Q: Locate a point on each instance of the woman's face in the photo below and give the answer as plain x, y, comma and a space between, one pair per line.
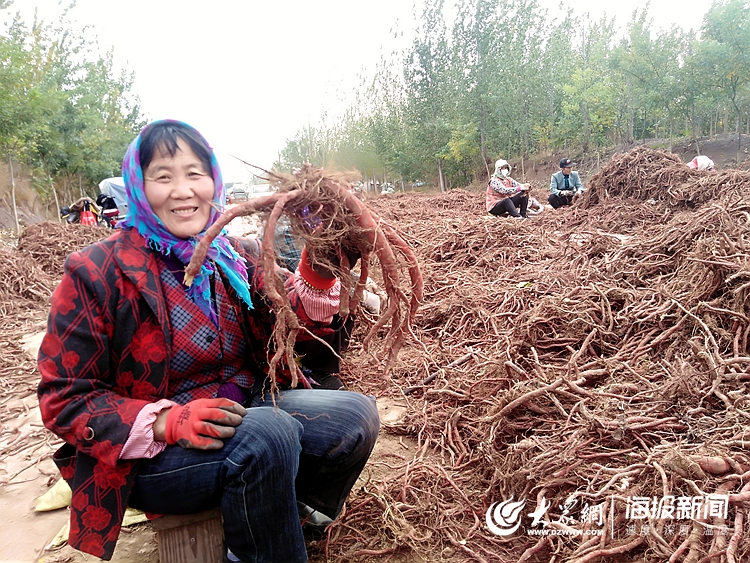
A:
179, 190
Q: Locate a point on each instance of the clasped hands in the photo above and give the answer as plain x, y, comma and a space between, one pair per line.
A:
201, 424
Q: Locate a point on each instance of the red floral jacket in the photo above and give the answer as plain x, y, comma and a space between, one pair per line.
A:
104, 357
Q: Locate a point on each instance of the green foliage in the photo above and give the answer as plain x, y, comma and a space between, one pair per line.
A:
63, 110
725, 50
502, 80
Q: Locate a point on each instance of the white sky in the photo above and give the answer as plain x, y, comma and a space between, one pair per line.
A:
249, 74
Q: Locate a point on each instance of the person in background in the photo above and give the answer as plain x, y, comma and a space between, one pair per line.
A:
564, 185
160, 390
702, 162
505, 196
318, 360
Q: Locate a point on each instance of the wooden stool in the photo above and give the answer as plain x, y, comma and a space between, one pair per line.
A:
190, 538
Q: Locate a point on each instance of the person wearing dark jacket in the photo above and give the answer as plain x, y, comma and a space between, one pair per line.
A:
564, 185
159, 390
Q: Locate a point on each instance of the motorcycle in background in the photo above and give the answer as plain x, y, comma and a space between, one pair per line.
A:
110, 212
84, 211
110, 206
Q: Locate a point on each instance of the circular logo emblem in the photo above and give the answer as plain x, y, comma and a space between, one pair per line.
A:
504, 518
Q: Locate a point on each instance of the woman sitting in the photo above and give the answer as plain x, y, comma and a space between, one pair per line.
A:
505, 196
160, 390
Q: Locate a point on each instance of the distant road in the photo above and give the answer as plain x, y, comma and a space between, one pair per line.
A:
259, 190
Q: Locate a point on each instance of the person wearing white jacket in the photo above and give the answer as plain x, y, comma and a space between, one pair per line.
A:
702, 162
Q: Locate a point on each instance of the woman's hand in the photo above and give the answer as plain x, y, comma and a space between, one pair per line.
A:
201, 424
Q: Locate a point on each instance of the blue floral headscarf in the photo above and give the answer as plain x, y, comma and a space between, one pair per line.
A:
141, 217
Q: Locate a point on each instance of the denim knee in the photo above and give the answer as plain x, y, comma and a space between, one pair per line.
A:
363, 419
370, 419
266, 433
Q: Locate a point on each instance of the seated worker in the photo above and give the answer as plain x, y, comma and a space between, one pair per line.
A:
564, 185
160, 391
505, 195
317, 361
702, 162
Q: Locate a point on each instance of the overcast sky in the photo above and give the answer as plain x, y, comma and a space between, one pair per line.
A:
250, 73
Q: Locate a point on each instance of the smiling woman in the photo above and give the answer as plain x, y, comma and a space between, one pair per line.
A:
159, 390
179, 189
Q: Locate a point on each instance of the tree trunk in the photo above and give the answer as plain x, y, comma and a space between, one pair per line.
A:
739, 128
57, 201
692, 124
586, 127
631, 114
483, 140
13, 194
441, 181
739, 138
726, 119
671, 132
631, 126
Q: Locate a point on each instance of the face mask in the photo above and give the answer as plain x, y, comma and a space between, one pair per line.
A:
505, 172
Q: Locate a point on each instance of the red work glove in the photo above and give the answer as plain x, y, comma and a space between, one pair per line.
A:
198, 423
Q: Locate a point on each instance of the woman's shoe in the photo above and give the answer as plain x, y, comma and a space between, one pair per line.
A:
314, 523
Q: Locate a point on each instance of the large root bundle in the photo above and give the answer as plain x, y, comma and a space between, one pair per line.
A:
23, 278
335, 225
644, 174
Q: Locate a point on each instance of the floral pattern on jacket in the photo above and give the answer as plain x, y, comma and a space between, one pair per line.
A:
105, 356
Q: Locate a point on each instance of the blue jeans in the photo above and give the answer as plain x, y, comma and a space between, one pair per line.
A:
311, 448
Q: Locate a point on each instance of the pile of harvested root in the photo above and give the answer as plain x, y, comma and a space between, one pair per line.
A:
583, 362
591, 363
28, 275
30, 272
48, 244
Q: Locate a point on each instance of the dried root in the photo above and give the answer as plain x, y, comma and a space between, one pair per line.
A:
335, 224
